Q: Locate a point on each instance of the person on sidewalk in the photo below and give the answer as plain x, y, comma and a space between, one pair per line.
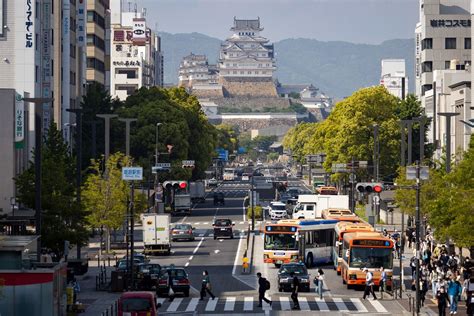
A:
442, 299
369, 284
319, 280
383, 279
295, 283
206, 285
263, 286
454, 291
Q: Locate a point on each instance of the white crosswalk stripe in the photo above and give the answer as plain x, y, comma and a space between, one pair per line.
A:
281, 303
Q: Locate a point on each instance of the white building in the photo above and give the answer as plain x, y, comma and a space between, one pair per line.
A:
246, 53
133, 54
442, 34
196, 70
393, 77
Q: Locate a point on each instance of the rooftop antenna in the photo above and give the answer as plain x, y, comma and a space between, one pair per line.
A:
144, 12
135, 9
129, 6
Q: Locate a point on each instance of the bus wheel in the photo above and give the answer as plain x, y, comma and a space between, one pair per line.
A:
349, 286
309, 260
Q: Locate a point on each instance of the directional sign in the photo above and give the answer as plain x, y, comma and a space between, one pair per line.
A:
188, 163
411, 173
339, 167
132, 173
164, 166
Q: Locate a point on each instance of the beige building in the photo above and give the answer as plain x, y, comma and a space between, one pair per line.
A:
96, 44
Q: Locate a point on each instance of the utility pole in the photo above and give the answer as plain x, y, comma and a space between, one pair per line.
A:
127, 121
410, 142
157, 183
376, 152
448, 116
417, 211
402, 233
352, 181
132, 231
107, 118
78, 113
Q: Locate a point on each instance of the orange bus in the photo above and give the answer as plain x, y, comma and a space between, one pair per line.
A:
327, 191
340, 214
340, 230
368, 250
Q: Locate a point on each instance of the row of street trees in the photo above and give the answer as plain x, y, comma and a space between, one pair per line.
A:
184, 134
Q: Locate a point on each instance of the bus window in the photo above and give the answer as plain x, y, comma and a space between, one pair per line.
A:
371, 257
280, 242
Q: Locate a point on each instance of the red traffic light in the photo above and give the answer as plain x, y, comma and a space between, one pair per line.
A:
183, 185
378, 189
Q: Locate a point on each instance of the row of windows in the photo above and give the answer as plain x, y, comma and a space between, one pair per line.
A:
427, 66
246, 72
449, 43
96, 64
247, 33
94, 40
251, 65
93, 16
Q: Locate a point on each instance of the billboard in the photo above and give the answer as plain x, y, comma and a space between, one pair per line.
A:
139, 31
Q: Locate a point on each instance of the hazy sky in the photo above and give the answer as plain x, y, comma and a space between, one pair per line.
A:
358, 21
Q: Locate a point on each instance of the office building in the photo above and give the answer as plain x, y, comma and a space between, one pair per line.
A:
96, 40
393, 77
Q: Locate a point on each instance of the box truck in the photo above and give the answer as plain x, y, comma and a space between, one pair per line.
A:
197, 191
156, 233
311, 205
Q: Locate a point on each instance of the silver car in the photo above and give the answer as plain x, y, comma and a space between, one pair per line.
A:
182, 231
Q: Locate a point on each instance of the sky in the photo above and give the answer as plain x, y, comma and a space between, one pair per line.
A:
357, 21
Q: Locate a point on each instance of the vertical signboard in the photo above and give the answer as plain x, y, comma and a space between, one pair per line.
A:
19, 120
81, 11
139, 31
65, 61
46, 60
1, 17
29, 25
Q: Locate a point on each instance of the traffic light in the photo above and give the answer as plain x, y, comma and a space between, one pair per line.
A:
178, 184
369, 187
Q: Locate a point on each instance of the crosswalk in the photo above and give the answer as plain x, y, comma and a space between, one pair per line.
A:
249, 304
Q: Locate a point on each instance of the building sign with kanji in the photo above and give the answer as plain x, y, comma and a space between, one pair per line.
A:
29, 28
131, 63
19, 118
450, 23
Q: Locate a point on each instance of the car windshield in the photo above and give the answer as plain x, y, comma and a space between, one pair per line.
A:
280, 242
182, 227
278, 207
297, 269
136, 304
150, 268
223, 222
371, 257
175, 273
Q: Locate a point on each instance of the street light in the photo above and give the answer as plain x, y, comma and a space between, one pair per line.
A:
38, 143
156, 164
448, 116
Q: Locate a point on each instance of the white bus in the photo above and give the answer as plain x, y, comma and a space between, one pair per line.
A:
229, 174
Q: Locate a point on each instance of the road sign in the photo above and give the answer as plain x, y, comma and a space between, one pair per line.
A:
164, 166
188, 163
132, 173
352, 178
339, 167
376, 199
411, 173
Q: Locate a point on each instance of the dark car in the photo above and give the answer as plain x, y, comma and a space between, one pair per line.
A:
285, 280
293, 192
219, 198
223, 228
122, 264
147, 275
175, 277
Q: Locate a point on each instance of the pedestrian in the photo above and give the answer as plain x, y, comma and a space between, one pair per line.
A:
295, 283
76, 288
454, 291
423, 290
319, 279
171, 292
206, 285
369, 284
442, 299
383, 279
263, 286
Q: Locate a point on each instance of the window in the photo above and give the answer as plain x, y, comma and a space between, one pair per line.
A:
427, 43
72, 78
131, 73
96, 64
427, 66
72, 51
93, 16
94, 40
426, 87
36, 74
450, 43
447, 64
467, 43
249, 72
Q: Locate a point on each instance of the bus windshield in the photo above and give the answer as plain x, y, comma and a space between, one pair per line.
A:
280, 242
371, 257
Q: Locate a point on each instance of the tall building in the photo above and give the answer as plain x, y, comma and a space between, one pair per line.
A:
41, 55
96, 36
135, 60
393, 77
246, 61
443, 34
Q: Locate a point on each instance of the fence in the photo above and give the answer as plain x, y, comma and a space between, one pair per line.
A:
102, 282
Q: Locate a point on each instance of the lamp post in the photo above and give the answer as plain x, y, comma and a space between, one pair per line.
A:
38, 144
156, 164
448, 116
107, 118
127, 121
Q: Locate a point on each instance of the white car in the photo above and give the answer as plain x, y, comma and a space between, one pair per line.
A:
212, 182
277, 211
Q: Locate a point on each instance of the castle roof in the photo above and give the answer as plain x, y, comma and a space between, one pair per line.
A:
246, 25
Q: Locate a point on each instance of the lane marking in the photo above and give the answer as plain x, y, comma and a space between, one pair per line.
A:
192, 305
378, 306
285, 303
190, 258
161, 300
236, 260
341, 306
206, 223
174, 305
358, 305
217, 251
211, 305
187, 264
229, 304
198, 223
323, 307
248, 303
241, 223
304, 304
198, 245
201, 235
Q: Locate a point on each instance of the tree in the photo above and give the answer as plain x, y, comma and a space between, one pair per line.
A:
227, 138
105, 194
62, 217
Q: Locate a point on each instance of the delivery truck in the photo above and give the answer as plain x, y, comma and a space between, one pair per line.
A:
310, 206
182, 203
156, 233
197, 190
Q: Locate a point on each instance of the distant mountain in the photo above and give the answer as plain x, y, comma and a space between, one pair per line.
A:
337, 68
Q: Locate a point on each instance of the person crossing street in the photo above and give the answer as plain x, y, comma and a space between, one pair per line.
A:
295, 283
206, 285
369, 284
263, 286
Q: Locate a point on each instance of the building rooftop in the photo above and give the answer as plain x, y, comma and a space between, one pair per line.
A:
246, 25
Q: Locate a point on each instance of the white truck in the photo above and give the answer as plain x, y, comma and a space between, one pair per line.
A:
311, 205
182, 203
156, 233
197, 191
